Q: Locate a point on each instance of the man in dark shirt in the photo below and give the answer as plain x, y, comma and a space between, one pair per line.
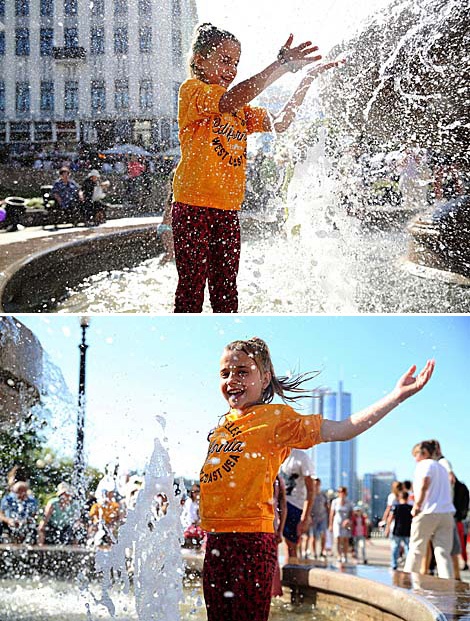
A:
66, 193
399, 521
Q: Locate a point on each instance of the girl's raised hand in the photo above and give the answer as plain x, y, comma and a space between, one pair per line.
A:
297, 57
409, 384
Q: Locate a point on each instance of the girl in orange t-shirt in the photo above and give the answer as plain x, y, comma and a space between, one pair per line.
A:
245, 452
209, 182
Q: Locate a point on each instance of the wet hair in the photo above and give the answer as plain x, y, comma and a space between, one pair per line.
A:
257, 349
206, 38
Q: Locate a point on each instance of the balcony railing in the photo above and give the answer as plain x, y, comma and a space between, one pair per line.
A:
69, 53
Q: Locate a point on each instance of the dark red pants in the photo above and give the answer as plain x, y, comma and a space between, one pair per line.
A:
207, 247
238, 574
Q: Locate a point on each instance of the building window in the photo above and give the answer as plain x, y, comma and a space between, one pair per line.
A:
23, 97
121, 95
21, 8
70, 7
98, 96
2, 97
97, 8
97, 41
47, 97
145, 8
145, 39
121, 45
2, 43
2, 8
22, 41
20, 132
46, 41
120, 7
43, 132
71, 37
71, 96
47, 7
146, 95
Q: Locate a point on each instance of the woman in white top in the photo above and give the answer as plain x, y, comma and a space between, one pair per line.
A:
432, 513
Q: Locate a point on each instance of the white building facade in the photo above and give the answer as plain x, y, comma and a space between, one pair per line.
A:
92, 71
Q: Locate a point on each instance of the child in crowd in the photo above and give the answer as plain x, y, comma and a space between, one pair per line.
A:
359, 526
399, 523
245, 452
209, 182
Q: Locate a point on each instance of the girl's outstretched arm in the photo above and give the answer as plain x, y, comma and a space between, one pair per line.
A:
285, 118
407, 385
289, 58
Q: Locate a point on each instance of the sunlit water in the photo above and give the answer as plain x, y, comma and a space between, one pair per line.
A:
47, 600
334, 265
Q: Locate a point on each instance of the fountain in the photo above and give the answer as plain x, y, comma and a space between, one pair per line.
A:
20, 371
414, 96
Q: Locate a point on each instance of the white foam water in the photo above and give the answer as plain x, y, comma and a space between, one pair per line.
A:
148, 548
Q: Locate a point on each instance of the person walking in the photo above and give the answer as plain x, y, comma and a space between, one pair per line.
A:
432, 512
319, 525
341, 522
399, 526
298, 472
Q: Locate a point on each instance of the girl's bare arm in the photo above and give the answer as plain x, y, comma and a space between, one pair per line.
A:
241, 94
407, 385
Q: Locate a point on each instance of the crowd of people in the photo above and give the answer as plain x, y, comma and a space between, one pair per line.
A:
426, 519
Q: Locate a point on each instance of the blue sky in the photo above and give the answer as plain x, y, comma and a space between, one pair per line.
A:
141, 367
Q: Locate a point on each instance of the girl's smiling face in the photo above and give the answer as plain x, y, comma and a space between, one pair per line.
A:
241, 382
220, 65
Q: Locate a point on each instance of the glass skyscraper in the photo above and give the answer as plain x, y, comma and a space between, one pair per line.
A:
335, 462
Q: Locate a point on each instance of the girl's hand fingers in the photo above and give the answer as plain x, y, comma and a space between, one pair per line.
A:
288, 43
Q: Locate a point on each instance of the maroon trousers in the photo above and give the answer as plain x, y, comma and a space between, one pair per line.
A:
207, 247
238, 574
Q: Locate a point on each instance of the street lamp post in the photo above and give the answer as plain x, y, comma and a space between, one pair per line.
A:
79, 465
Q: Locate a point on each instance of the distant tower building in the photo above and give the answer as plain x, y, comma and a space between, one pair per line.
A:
92, 71
335, 462
375, 489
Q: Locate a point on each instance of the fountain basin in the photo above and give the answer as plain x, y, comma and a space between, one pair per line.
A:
440, 240
20, 371
357, 598
46, 560
39, 272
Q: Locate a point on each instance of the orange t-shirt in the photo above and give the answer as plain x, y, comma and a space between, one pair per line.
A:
211, 172
108, 511
244, 457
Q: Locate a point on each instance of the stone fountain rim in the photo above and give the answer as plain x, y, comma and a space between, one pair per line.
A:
393, 600
322, 584
14, 275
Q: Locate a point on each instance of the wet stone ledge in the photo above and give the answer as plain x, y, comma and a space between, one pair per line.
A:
17, 561
36, 274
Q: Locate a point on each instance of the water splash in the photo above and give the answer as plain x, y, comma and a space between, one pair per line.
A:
148, 550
